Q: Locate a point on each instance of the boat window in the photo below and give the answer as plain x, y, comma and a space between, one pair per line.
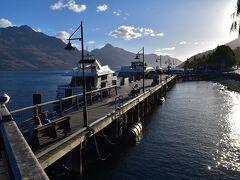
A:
103, 77
78, 81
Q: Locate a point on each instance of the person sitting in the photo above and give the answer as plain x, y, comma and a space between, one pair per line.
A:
136, 89
44, 119
36, 122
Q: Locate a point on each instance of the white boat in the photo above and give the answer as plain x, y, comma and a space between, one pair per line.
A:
135, 70
96, 76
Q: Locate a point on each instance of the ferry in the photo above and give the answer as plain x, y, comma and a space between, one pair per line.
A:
135, 70
96, 76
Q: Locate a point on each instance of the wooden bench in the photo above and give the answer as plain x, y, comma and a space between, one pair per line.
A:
50, 130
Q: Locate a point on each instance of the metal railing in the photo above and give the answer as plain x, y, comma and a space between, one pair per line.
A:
57, 108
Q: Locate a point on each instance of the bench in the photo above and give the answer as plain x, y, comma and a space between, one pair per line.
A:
50, 130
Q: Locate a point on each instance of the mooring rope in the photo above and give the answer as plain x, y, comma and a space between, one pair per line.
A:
107, 139
96, 145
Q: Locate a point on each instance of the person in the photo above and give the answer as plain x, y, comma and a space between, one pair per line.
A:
136, 89
44, 119
36, 122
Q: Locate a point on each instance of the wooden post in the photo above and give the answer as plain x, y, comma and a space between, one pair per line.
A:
60, 108
116, 90
143, 109
37, 99
77, 103
91, 98
101, 98
76, 160
109, 92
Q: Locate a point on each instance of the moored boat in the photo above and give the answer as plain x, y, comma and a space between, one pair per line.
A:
96, 76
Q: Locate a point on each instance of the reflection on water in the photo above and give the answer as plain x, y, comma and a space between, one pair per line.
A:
227, 154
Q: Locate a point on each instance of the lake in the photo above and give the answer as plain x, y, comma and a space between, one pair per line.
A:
195, 134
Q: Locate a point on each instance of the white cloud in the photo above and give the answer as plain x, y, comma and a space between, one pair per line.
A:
159, 34
183, 43
91, 42
196, 43
102, 8
162, 53
5, 23
130, 32
70, 4
58, 5
166, 49
125, 32
117, 12
63, 35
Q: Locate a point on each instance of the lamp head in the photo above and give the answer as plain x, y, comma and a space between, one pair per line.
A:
137, 56
69, 46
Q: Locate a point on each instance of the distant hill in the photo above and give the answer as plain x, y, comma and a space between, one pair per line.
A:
116, 57
234, 45
23, 48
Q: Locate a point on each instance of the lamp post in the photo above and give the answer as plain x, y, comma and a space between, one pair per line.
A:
141, 52
160, 65
70, 47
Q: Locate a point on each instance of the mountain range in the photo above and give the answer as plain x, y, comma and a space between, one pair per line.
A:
22, 48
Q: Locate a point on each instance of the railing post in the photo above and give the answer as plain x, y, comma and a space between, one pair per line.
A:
109, 92
91, 98
77, 103
37, 99
60, 107
37, 110
116, 90
101, 95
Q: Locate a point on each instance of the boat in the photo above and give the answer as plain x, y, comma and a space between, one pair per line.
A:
96, 76
135, 70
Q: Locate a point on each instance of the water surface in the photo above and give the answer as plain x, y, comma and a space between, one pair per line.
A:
195, 134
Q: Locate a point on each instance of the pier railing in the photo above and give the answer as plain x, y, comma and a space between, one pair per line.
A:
57, 108
21, 162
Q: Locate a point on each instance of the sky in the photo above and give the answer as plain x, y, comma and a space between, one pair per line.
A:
179, 28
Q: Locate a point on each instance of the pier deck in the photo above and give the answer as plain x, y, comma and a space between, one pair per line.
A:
100, 109
96, 111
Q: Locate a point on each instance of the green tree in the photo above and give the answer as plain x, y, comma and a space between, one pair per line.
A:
221, 59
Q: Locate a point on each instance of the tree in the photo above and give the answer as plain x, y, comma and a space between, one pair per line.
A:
222, 58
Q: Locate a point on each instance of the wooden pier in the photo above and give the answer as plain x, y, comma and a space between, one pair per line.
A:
117, 113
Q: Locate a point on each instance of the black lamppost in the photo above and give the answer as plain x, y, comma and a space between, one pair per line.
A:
70, 47
141, 52
160, 65
160, 61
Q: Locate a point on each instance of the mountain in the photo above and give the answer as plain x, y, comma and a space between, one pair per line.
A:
116, 57
234, 45
23, 48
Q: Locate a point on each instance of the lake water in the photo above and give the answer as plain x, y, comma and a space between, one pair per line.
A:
195, 134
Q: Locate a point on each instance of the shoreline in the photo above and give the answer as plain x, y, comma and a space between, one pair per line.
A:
230, 84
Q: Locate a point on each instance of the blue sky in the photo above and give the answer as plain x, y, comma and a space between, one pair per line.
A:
180, 28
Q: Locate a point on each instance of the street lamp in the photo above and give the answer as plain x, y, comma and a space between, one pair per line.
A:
160, 61
141, 53
70, 47
160, 65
